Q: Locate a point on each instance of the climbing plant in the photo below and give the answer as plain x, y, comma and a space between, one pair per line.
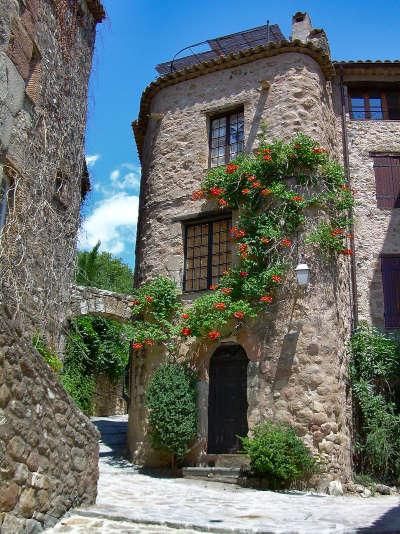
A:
284, 190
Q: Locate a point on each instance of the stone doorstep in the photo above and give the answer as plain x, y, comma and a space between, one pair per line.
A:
228, 475
226, 460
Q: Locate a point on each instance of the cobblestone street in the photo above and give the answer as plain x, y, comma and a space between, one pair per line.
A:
132, 502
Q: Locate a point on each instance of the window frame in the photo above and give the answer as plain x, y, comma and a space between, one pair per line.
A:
368, 92
209, 220
390, 321
384, 198
226, 113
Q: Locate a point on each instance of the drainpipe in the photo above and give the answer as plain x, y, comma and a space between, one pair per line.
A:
354, 319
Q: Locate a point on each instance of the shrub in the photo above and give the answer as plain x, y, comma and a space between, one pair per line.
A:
278, 454
171, 401
49, 355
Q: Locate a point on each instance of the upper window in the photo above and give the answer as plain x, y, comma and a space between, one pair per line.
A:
387, 180
390, 266
226, 137
207, 253
374, 103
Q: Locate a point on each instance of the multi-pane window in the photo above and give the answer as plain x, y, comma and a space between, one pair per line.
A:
374, 103
207, 253
226, 137
390, 266
387, 180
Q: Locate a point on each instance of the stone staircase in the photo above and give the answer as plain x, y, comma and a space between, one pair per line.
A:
219, 468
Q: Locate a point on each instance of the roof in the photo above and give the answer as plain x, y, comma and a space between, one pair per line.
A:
365, 66
223, 46
96, 9
223, 62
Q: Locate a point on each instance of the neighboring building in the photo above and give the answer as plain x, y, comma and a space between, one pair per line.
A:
292, 367
48, 449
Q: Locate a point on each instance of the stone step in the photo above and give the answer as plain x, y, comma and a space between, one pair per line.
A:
228, 475
227, 460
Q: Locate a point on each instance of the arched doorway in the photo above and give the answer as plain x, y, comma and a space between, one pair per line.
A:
227, 400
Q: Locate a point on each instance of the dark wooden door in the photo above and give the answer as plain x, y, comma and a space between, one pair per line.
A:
227, 401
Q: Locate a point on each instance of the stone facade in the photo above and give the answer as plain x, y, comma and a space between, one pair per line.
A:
297, 369
48, 449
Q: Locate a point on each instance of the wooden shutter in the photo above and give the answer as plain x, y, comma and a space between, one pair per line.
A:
387, 181
390, 266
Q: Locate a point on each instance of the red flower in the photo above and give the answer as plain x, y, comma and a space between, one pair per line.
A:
137, 346
256, 185
148, 298
149, 342
213, 287
265, 240
346, 252
226, 290
220, 306
349, 236
319, 150
216, 191
286, 242
198, 194
243, 248
276, 278
238, 314
185, 316
222, 202
266, 298
337, 231
252, 178
265, 192
236, 233
231, 168
243, 274
134, 302
186, 331
297, 198
245, 191
214, 335
267, 157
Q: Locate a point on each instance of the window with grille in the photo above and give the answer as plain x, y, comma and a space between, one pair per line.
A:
374, 103
387, 180
390, 266
207, 253
226, 137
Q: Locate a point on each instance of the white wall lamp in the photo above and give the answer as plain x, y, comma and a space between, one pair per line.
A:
302, 273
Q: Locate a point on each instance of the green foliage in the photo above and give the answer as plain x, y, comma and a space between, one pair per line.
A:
374, 367
103, 271
277, 453
328, 238
171, 401
49, 355
80, 386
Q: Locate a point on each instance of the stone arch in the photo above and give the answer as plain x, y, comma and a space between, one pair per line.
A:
94, 301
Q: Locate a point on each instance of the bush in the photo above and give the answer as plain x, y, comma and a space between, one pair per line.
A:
278, 454
49, 355
171, 401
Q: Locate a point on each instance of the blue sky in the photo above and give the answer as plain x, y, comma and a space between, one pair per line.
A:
138, 34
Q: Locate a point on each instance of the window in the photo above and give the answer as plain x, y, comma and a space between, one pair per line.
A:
387, 180
390, 266
375, 103
226, 137
207, 253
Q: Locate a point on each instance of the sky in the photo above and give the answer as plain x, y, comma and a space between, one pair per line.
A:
138, 34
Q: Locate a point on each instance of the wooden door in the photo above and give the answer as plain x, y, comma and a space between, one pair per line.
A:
227, 401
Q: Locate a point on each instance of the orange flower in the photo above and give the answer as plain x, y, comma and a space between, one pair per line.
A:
276, 278
198, 194
337, 231
134, 302
256, 185
243, 248
267, 157
319, 150
186, 331
216, 191
231, 168
226, 290
185, 316
252, 178
265, 240
222, 202
244, 274
137, 346
345, 187
245, 191
266, 298
297, 198
286, 242
148, 298
238, 314
346, 252
213, 287
265, 192
349, 236
236, 232
149, 342
214, 335
220, 306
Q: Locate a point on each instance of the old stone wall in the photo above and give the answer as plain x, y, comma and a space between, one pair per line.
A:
109, 397
297, 369
48, 448
91, 300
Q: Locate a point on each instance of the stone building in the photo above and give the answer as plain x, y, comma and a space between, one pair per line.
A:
48, 449
293, 366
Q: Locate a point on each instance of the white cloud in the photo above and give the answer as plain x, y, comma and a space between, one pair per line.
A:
113, 222
122, 180
115, 175
91, 160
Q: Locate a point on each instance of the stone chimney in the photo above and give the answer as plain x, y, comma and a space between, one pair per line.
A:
303, 31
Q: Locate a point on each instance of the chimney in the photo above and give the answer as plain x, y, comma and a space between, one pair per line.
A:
301, 26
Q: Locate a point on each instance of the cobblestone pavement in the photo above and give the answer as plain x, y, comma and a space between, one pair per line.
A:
132, 502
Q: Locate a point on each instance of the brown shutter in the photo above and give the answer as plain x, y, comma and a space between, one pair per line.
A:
390, 266
387, 181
